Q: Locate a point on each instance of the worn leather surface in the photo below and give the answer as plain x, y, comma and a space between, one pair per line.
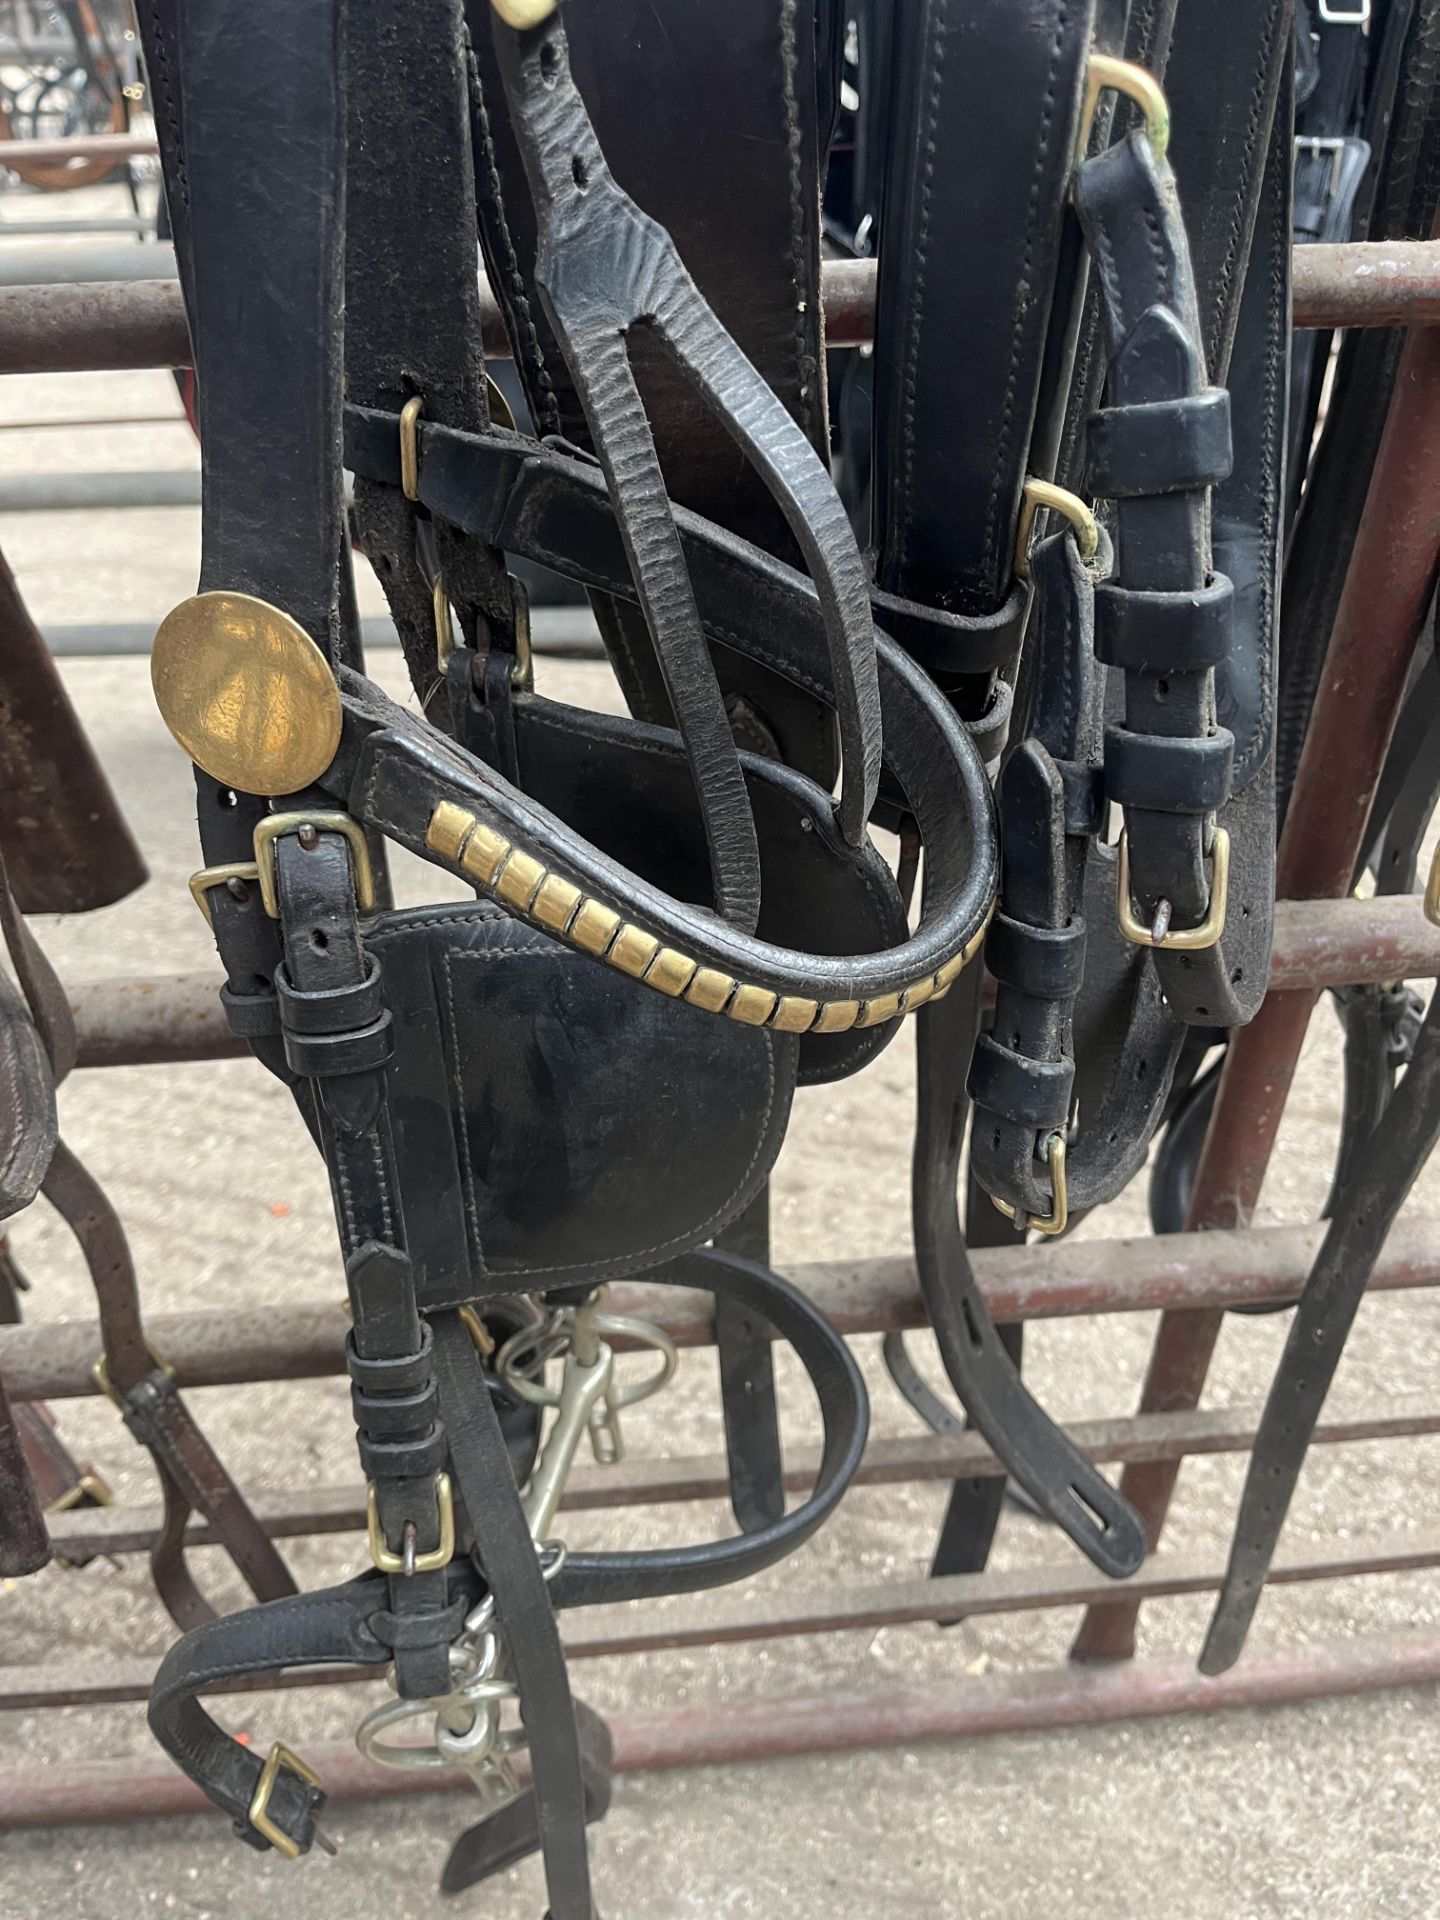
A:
980, 127
602, 268
28, 1125
554, 1120
731, 119
24, 1541
816, 892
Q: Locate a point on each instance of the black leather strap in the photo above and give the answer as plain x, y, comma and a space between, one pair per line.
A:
1042, 1459
980, 120
1365, 1210
602, 268
736, 121
747, 1382
1023, 1074
592, 1579
1161, 545
331, 1627
507, 1557
410, 222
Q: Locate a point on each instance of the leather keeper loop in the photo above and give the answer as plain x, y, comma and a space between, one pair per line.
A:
383, 1418
320, 1056
1048, 962
1159, 446
952, 643
397, 1375
432, 1627
1163, 632
253, 1016
1030, 1093
337, 1009
1160, 773
1084, 790
418, 1459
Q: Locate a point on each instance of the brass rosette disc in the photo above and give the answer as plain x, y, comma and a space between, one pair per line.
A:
246, 692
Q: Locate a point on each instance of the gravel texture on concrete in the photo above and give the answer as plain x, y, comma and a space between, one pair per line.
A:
1322, 1809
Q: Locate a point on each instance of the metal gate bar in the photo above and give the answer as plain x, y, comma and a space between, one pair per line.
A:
1191, 1270
88, 325
91, 1791
170, 1018
84, 1531
610, 1633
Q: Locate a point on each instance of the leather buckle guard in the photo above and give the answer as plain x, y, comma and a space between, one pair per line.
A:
259, 1816
1179, 939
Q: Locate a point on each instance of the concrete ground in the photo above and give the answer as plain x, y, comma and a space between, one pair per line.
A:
1323, 1809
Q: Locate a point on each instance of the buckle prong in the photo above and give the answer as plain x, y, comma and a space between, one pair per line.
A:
409, 1561
275, 824
1177, 939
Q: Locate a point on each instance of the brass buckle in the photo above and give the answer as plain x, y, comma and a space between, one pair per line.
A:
444, 632
481, 1337
88, 1487
208, 877
1432, 891
430, 1562
1059, 1217
1044, 493
1105, 74
410, 448
100, 1374
275, 824
1178, 939
259, 1817
522, 674
522, 677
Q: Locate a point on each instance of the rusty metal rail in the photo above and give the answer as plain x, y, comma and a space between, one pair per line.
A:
171, 1018
1179, 1272
88, 1531
732, 1620
109, 1790
141, 323
89, 146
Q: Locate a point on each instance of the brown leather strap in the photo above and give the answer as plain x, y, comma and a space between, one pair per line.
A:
192, 1475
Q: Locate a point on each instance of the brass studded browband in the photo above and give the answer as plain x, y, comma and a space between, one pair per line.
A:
558, 906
